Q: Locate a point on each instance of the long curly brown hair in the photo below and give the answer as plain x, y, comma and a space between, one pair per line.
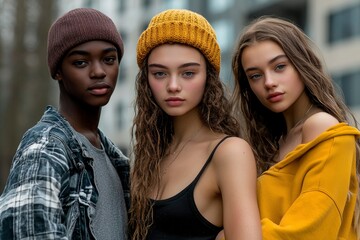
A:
263, 134
152, 133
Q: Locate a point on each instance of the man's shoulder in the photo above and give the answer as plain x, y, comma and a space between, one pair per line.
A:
46, 140
44, 133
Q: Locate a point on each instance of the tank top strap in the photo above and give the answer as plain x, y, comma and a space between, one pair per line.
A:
208, 160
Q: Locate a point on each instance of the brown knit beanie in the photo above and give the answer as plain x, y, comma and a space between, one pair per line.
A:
76, 27
180, 26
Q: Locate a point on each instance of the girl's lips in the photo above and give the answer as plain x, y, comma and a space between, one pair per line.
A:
276, 97
174, 102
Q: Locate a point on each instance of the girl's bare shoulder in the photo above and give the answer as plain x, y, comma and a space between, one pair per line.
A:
233, 147
317, 124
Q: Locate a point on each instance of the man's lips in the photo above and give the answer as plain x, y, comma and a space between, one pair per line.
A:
100, 89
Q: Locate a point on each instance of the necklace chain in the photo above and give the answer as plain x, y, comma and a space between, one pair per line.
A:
182, 148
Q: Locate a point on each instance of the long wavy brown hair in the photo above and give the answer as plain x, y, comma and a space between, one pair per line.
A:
263, 134
152, 133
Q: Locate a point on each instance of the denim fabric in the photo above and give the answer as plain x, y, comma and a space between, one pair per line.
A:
50, 192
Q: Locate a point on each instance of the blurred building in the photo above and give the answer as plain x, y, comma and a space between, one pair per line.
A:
332, 24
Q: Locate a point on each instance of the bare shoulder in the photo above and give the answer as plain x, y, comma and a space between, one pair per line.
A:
234, 161
233, 148
234, 144
317, 124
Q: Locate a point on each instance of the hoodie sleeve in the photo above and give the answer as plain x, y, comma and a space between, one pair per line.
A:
313, 196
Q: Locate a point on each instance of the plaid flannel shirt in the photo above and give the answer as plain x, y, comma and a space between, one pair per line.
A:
50, 192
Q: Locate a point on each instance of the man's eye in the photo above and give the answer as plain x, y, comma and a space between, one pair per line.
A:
80, 63
110, 60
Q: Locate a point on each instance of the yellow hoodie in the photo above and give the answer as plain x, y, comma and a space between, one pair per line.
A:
311, 193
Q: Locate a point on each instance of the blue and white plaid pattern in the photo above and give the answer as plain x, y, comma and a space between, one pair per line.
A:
50, 192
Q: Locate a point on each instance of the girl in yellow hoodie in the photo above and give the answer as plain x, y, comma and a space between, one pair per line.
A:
300, 133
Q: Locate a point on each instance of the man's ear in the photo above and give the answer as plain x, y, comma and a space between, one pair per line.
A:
58, 76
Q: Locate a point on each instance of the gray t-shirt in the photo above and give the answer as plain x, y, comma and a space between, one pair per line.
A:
110, 221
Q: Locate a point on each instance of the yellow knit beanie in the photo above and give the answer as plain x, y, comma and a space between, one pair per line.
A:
180, 26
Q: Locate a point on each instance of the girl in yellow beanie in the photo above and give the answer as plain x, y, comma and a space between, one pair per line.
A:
192, 175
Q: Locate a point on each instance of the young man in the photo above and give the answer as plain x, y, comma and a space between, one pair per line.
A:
68, 181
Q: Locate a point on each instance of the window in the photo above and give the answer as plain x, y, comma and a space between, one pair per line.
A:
119, 115
344, 24
123, 69
122, 6
122, 73
225, 33
217, 6
146, 3
175, 4
350, 85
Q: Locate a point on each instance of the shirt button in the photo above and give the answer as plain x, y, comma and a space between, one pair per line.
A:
80, 165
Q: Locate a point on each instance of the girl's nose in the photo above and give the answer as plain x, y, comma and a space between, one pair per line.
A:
173, 84
270, 81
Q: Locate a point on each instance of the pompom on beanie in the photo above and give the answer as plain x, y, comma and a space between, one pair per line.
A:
76, 27
180, 26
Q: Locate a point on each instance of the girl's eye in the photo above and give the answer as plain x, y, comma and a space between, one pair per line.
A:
254, 76
280, 67
159, 74
188, 74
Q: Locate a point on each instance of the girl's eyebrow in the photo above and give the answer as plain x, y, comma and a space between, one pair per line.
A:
156, 65
277, 57
181, 66
271, 61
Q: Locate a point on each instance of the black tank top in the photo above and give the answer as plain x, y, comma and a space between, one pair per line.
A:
177, 218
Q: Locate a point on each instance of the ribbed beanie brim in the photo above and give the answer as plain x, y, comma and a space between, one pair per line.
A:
180, 26
76, 27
